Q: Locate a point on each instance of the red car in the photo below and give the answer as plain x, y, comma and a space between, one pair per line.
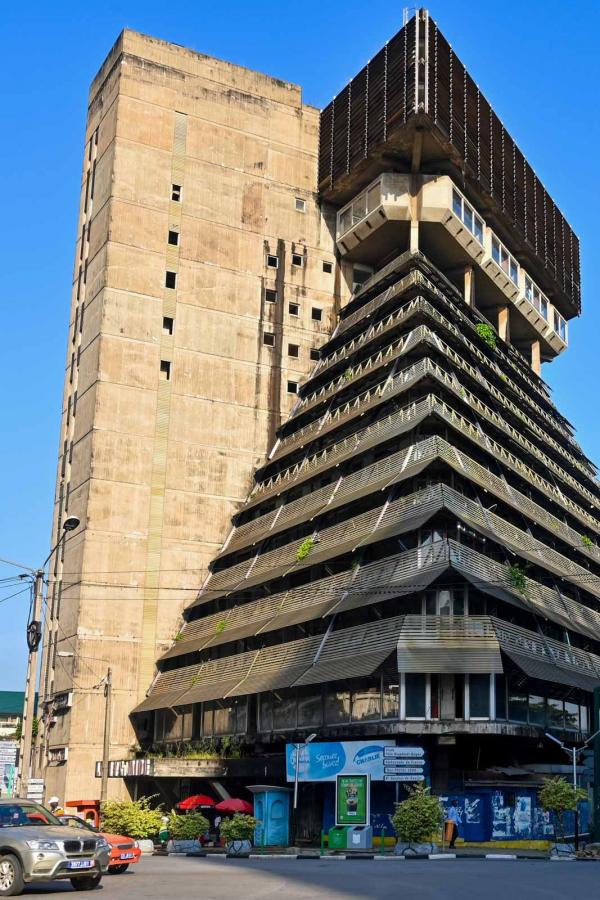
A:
124, 851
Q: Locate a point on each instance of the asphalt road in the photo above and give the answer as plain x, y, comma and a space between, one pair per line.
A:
214, 878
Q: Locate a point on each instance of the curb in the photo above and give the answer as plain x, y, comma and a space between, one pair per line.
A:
433, 857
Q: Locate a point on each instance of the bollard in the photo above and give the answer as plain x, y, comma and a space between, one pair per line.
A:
382, 848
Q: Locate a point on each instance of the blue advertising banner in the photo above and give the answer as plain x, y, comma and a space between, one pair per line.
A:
324, 761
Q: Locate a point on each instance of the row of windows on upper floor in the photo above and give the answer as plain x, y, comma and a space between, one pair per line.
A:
371, 198
177, 197
475, 224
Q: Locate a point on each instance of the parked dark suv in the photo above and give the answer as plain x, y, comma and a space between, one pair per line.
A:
36, 847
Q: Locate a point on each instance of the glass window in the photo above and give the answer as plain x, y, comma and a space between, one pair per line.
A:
478, 230
374, 197
537, 710
359, 208
284, 712
415, 695
514, 271
366, 703
187, 720
517, 707
556, 717
172, 726
345, 220
500, 697
241, 716
266, 712
390, 706
583, 718
444, 602
224, 719
571, 716
458, 603
496, 250
207, 719
310, 709
459, 696
337, 707
457, 204
468, 217
479, 696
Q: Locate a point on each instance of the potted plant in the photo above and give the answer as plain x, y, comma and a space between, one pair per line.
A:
185, 832
238, 833
416, 820
558, 797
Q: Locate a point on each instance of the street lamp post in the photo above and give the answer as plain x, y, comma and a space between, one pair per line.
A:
297, 747
34, 634
573, 752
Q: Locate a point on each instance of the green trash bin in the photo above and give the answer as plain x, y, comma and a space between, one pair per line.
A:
338, 838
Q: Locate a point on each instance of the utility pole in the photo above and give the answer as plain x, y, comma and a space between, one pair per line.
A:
106, 746
34, 633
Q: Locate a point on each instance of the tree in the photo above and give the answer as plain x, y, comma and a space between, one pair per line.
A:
418, 817
186, 828
559, 796
134, 818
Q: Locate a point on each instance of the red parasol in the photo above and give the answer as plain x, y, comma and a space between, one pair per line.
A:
196, 801
234, 806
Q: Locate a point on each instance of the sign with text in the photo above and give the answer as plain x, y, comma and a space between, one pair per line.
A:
352, 797
325, 761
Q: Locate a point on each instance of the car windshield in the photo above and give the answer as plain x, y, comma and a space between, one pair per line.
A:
20, 814
77, 822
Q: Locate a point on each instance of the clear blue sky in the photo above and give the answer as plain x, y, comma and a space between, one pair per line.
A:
536, 62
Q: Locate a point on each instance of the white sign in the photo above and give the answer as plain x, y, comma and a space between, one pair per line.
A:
420, 777
391, 763
403, 751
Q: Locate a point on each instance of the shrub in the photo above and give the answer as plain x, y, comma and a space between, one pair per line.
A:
517, 578
134, 818
348, 375
220, 626
418, 817
239, 828
188, 827
304, 549
178, 636
487, 334
587, 541
559, 796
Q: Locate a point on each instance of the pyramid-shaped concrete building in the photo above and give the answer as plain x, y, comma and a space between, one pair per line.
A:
418, 559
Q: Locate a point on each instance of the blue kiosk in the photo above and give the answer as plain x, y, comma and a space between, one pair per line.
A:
272, 809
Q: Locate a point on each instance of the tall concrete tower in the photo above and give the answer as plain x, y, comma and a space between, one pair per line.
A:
204, 285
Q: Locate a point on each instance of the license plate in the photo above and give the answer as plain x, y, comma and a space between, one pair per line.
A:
127, 855
80, 864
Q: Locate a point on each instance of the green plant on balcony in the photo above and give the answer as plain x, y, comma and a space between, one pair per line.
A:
517, 577
587, 541
195, 679
304, 549
348, 375
220, 626
178, 636
487, 334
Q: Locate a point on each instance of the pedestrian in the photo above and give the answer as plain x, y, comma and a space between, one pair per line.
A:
55, 807
452, 819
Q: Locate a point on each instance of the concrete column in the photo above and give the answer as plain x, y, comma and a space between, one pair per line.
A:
504, 323
536, 357
469, 287
414, 235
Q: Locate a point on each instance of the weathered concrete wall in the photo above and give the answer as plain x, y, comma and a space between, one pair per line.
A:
155, 467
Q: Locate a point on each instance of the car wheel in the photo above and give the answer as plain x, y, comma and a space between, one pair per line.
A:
11, 876
118, 870
88, 883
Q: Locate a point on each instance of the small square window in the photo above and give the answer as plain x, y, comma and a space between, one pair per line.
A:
316, 314
272, 261
165, 370
168, 323
270, 295
176, 192
174, 238
297, 260
292, 387
294, 309
170, 279
269, 339
300, 204
315, 354
328, 268
294, 350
